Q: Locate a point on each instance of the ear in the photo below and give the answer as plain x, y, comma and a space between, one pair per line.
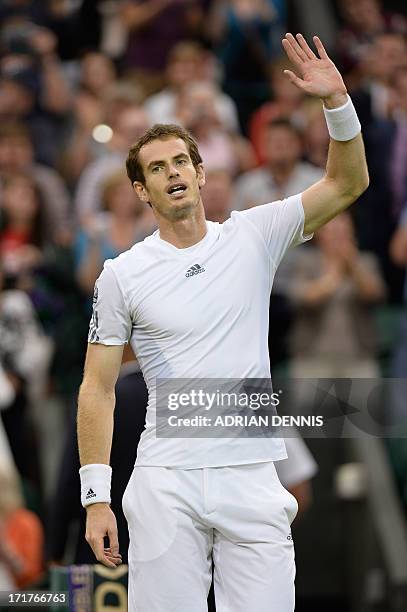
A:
141, 191
200, 173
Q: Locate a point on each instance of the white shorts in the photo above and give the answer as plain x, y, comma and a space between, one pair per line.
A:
179, 519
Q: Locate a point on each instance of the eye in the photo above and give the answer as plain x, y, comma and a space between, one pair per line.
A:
156, 169
181, 161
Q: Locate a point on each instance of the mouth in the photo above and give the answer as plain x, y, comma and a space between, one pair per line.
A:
177, 190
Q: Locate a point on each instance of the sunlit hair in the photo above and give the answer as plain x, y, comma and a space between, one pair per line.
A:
160, 131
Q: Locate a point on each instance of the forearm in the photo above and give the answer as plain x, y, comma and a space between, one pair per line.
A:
136, 16
347, 169
95, 424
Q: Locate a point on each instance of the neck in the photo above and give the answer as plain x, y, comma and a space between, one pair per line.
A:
183, 233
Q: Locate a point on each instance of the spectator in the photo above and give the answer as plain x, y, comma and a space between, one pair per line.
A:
186, 65
363, 22
398, 250
333, 288
23, 232
17, 157
398, 166
217, 195
283, 173
21, 541
374, 103
97, 74
242, 31
32, 86
92, 127
24, 359
154, 27
129, 124
385, 56
219, 148
286, 103
106, 235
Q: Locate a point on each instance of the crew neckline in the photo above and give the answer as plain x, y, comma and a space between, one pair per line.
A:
193, 247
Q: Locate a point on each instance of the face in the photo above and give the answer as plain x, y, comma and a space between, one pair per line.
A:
182, 69
217, 195
130, 125
387, 55
97, 71
172, 183
360, 13
16, 153
123, 201
282, 146
284, 90
19, 200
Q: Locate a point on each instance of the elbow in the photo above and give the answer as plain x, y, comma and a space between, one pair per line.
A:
352, 192
362, 184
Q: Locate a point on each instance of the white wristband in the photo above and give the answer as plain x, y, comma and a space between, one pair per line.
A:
95, 483
343, 123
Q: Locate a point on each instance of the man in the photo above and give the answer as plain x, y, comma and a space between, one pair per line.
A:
190, 499
17, 156
283, 172
129, 124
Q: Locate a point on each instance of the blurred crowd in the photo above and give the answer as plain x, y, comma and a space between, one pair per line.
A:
80, 81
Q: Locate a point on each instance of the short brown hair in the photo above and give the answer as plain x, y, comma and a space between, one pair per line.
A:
159, 131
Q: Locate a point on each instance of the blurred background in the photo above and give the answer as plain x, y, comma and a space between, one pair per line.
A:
80, 81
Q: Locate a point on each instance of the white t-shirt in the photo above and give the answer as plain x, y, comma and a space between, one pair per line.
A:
211, 324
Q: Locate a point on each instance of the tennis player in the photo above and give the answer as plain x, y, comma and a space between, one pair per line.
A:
192, 299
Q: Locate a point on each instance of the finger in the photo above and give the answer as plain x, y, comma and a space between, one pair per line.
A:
295, 80
305, 47
113, 540
296, 47
108, 553
320, 48
291, 54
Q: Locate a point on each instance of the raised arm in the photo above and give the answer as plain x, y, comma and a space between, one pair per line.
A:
95, 430
346, 175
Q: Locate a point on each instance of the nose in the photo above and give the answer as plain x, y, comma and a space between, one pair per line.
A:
172, 171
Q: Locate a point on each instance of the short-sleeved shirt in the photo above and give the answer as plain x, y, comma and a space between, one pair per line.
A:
199, 312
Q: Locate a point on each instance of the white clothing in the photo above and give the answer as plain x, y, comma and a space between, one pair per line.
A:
177, 518
88, 195
299, 466
162, 108
258, 186
207, 325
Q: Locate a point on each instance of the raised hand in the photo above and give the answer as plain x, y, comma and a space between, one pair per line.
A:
318, 76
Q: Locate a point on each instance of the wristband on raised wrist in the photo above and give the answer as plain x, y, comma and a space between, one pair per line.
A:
95, 483
343, 123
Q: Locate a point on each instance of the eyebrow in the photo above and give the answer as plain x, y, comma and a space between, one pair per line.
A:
157, 162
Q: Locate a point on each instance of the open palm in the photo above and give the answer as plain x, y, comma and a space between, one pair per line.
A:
318, 76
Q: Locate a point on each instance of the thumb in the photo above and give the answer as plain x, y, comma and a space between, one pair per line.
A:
294, 79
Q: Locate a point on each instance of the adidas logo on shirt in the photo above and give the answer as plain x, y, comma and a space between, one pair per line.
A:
196, 269
90, 494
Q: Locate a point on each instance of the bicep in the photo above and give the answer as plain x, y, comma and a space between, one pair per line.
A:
102, 365
322, 202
